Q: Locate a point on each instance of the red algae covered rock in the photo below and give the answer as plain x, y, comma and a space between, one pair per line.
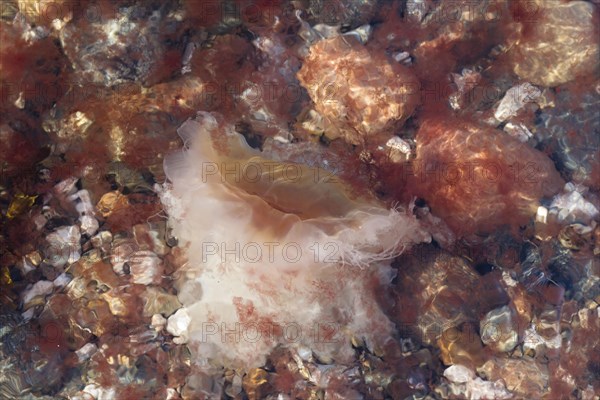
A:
559, 41
19, 151
31, 67
211, 65
435, 294
362, 95
477, 178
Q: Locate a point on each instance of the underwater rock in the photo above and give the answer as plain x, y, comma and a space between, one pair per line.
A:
559, 42
362, 94
477, 178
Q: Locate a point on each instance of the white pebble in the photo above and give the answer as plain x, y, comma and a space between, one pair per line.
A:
41, 288
177, 324
86, 352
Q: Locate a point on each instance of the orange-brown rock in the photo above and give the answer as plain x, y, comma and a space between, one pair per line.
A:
461, 345
361, 94
477, 178
435, 295
559, 41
